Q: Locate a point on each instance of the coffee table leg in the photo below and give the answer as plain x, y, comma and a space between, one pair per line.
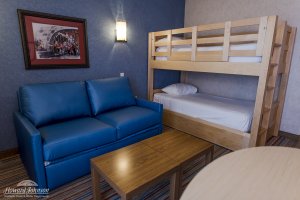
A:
96, 184
209, 155
175, 185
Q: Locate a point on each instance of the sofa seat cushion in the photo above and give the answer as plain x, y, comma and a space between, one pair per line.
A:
70, 137
130, 120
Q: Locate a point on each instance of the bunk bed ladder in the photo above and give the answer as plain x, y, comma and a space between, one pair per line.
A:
291, 34
266, 86
269, 105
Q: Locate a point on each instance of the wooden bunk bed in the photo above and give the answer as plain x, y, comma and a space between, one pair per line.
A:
274, 40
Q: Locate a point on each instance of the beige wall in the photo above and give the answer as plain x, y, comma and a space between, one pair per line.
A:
209, 11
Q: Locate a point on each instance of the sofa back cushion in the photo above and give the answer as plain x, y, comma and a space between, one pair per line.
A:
108, 94
51, 102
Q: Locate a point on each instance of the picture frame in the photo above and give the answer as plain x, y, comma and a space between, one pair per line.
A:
53, 41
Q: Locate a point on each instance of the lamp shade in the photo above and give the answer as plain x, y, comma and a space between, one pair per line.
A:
121, 35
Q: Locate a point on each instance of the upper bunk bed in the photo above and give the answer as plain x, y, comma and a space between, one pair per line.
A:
260, 47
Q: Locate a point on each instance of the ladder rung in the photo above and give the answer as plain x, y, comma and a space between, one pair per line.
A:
270, 72
271, 75
275, 104
269, 108
277, 45
266, 109
273, 64
262, 131
272, 124
270, 87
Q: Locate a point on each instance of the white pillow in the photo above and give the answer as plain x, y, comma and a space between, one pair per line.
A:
180, 89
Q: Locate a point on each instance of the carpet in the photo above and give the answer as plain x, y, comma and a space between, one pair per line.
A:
12, 172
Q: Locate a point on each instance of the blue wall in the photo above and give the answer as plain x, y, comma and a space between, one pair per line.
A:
107, 58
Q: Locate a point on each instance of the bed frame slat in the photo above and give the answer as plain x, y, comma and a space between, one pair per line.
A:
182, 30
185, 56
211, 40
243, 38
161, 33
244, 53
209, 27
246, 22
181, 42
261, 35
207, 56
161, 54
160, 44
226, 41
194, 43
169, 41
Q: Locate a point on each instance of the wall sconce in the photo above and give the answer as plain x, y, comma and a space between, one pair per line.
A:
121, 35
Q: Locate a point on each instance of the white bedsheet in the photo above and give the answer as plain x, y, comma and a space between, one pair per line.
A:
232, 113
186, 48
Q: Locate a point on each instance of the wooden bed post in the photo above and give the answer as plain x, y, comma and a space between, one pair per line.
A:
285, 76
262, 81
183, 76
150, 69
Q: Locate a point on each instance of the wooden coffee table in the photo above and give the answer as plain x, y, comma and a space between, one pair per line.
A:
182, 148
132, 169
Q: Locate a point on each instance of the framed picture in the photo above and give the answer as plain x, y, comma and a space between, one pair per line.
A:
53, 41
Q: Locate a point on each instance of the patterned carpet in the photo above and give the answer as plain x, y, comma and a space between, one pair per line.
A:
12, 172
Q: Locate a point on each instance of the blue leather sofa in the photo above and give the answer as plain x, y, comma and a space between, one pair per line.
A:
61, 126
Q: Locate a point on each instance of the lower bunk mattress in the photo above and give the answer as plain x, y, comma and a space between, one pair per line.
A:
232, 113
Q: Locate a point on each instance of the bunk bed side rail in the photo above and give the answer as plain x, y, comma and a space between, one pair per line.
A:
215, 133
249, 69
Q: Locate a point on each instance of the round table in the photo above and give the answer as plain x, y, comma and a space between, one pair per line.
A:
259, 173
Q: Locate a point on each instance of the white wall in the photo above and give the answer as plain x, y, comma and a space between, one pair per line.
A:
210, 11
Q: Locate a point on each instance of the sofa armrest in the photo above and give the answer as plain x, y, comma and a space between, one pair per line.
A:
149, 104
31, 150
